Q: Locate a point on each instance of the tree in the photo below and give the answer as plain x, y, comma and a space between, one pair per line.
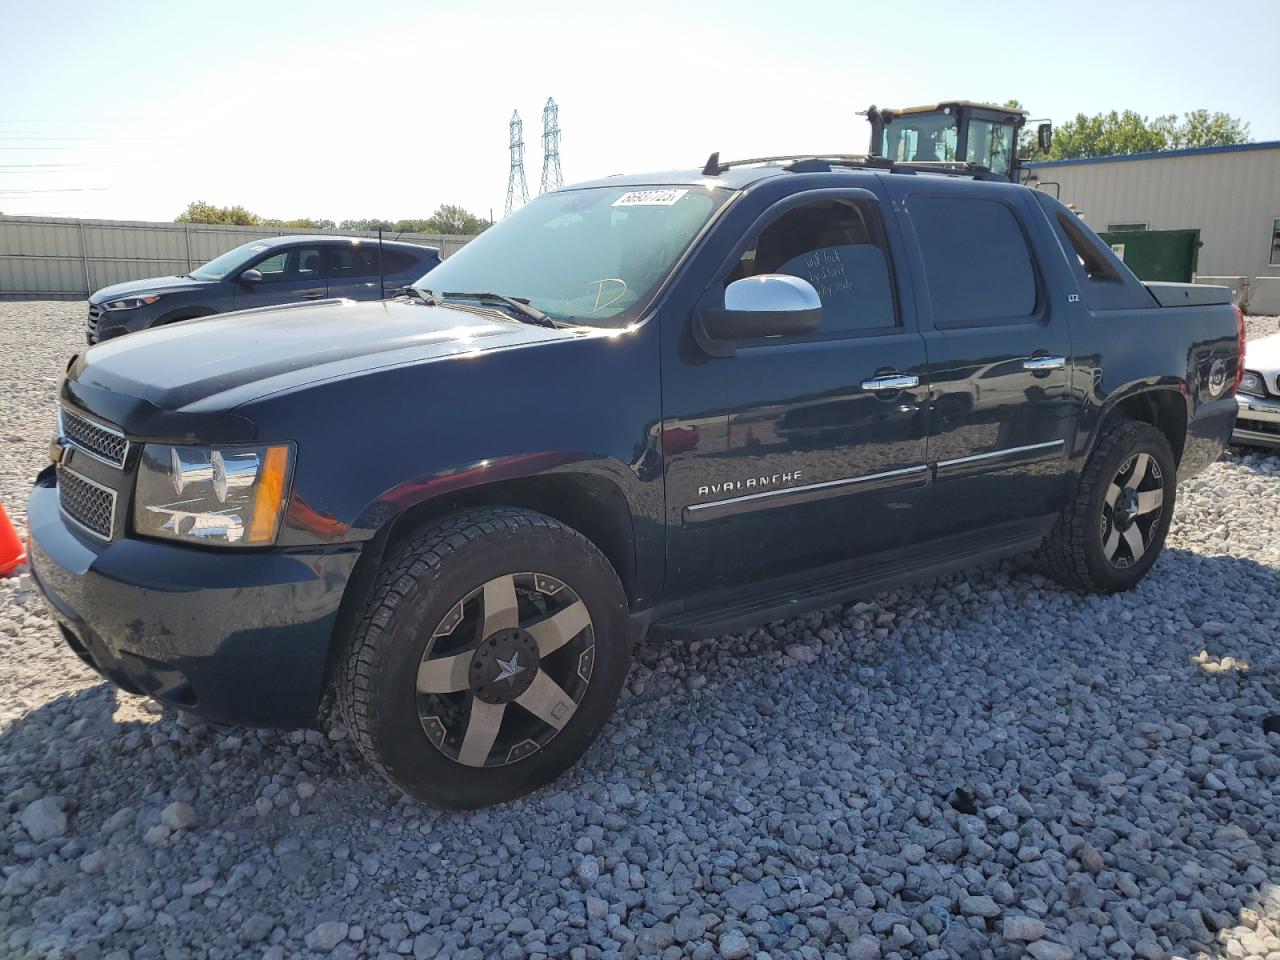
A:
450, 218
1200, 128
1114, 134
370, 226
302, 223
200, 212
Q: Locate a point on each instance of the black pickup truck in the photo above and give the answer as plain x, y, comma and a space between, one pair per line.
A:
679, 403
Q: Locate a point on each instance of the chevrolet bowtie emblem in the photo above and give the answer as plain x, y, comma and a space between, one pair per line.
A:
509, 668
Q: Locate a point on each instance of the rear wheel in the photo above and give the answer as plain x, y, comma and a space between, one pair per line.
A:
492, 652
1112, 530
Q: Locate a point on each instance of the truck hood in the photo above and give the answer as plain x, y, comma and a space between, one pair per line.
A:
153, 285
1263, 354
212, 365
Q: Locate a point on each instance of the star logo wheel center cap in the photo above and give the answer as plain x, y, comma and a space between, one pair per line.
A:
504, 666
509, 668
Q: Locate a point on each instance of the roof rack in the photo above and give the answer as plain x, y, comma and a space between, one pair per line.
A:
716, 166
823, 162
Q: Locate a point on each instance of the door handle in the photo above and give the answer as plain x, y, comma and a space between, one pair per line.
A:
892, 381
1044, 363
312, 294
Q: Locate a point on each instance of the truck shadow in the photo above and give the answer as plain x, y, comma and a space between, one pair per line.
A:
1142, 740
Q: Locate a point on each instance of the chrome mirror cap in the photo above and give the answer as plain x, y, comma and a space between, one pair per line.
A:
771, 293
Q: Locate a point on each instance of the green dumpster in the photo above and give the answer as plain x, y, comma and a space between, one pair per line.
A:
1157, 254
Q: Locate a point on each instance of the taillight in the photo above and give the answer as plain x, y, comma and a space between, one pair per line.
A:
1239, 349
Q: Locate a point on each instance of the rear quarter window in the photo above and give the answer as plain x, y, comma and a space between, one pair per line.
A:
1104, 282
977, 266
398, 261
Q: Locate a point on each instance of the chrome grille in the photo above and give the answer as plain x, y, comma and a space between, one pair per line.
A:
94, 439
91, 324
89, 505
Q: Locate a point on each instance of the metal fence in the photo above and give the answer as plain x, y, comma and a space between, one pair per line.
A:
55, 257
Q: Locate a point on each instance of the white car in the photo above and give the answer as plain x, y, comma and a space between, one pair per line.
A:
1258, 420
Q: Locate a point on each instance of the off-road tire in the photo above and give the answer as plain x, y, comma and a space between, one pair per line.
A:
417, 587
1073, 551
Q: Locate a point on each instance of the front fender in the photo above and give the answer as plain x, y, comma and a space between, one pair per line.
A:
182, 313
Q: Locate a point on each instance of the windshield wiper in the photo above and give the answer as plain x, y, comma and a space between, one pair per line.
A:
527, 313
426, 296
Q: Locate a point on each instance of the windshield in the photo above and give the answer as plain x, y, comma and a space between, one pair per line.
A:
595, 256
229, 262
920, 139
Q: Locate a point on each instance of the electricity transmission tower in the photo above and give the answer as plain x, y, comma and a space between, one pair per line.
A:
551, 177
517, 189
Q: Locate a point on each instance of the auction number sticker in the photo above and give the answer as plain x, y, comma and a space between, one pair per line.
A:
649, 198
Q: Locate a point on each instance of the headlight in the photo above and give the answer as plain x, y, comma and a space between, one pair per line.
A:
1252, 383
132, 303
230, 496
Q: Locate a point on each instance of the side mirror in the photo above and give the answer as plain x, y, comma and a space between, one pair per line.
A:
1044, 136
251, 276
770, 305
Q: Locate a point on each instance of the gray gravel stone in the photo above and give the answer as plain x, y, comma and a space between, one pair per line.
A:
1049, 950
43, 819
734, 946
325, 936
178, 815
1023, 928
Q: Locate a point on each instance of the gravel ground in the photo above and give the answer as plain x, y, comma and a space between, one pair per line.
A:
981, 766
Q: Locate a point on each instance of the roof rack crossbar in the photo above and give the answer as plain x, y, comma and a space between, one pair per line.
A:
872, 161
840, 159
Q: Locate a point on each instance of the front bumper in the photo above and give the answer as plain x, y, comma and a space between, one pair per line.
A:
1257, 421
103, 324
240, 637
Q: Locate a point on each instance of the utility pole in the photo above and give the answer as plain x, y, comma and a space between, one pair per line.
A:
551, 176
517, 189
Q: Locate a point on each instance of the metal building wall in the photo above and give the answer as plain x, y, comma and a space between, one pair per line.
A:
58, 257
1230, 195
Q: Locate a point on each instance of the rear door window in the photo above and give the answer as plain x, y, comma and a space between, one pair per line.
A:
353, 262
977, 265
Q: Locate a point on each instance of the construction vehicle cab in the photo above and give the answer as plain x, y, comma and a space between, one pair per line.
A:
954, 132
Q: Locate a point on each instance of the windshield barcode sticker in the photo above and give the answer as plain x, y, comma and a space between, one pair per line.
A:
649, 198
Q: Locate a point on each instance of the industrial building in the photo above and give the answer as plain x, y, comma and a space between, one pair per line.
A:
1209, 214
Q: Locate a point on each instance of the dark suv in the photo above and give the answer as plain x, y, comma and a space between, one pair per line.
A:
682, 403
262, 273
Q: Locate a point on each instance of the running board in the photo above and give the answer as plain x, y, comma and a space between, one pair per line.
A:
825, 591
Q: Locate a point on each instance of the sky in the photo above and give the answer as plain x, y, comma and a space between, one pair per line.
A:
388, 109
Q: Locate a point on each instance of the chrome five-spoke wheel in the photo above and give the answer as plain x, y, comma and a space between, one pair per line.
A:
505, 669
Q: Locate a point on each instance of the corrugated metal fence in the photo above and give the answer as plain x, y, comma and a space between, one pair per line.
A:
50, 257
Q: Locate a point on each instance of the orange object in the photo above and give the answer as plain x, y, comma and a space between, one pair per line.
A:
12, 554
270, 499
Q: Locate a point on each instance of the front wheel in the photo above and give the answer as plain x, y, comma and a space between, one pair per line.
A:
492, 652
1114, 527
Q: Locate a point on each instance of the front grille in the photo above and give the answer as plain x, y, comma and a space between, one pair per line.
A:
91, 506
91, 325
1245, 422
95, 439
